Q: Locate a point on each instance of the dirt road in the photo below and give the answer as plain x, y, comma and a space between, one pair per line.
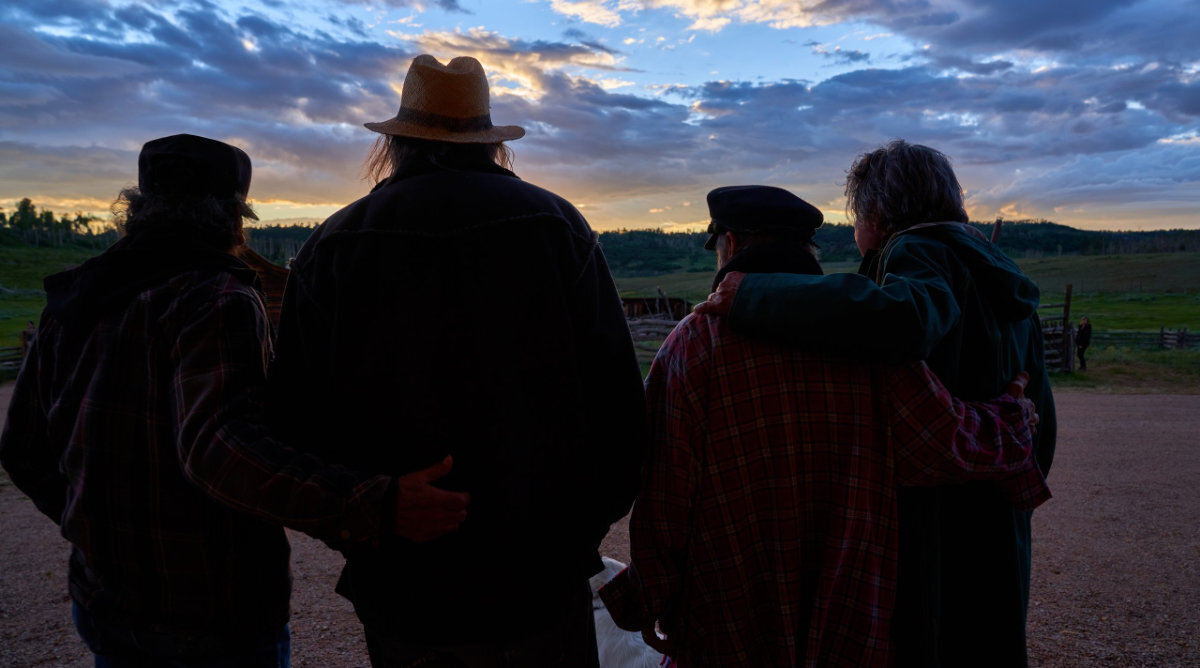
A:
1116, 578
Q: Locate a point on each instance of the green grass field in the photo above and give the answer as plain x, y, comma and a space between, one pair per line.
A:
1119, 293
21, 273
1122, 294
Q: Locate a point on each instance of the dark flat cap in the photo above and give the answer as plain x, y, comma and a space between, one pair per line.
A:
191, 165
754, 209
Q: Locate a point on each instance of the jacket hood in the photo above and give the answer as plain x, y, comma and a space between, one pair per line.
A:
999, 280
79, 298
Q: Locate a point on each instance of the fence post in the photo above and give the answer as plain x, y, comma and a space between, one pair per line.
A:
1068, 340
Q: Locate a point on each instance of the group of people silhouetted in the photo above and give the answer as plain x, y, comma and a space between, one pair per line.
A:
823, 470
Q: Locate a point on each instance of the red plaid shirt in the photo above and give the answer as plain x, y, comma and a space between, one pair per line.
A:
766, 530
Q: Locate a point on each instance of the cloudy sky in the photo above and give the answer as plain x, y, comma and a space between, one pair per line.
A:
1084, 112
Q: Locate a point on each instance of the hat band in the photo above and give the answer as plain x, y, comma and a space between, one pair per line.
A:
470, 124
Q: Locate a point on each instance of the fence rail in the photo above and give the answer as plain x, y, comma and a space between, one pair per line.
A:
10, 362
648, 335
1177, 338
1144, 340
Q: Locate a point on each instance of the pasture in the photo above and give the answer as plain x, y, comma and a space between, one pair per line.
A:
1136, 292
1121, 294
1128, 299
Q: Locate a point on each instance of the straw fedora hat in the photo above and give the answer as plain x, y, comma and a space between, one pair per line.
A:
447, 103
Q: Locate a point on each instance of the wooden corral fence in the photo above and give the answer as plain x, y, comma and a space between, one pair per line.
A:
10, 362
1058, 335
1177, 339
648, 335
273, 279
650, 320
673, 308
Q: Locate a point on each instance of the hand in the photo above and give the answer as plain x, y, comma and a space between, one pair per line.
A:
719, 302
424, 512
660, 643
1016, 390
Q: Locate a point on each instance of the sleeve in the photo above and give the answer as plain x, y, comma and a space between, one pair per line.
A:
25, 449
843, 313
623, 600
614, 396
660, 527
939, 439
226, 449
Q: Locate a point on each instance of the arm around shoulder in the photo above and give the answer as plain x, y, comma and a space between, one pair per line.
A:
940, 439
849, 314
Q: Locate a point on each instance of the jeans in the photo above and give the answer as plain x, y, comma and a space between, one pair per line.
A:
562, 639
116, 647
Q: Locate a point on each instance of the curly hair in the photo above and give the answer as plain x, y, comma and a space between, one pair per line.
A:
391, 154
900, 185
205, 219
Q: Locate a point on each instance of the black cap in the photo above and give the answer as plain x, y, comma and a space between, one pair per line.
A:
753, 209
191, 165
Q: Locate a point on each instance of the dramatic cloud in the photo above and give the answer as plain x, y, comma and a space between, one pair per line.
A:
419, 5
716, 14
1083, 112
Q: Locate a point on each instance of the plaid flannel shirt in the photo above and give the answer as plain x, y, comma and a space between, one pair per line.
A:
766, 530
147, 447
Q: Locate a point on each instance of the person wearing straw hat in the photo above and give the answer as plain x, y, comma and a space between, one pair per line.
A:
137, 425
457, 310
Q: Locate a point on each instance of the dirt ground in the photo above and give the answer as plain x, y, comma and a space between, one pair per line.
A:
1116, 562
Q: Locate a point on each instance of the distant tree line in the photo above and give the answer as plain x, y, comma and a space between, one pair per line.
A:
28, 226
1041, 238
632, 253
278, 243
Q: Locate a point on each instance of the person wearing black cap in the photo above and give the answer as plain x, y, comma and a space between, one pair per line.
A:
765, 532
930, 287
763, 227
458, 310
136, 425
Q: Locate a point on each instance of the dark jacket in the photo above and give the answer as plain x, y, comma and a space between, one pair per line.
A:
136, 425
466, 312
947, 295
1083, 338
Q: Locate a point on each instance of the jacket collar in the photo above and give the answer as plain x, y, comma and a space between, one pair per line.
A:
80, 297
770, 259
420, 167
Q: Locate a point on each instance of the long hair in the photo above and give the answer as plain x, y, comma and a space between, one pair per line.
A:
392, 154
208, 220
900, 185
784, 241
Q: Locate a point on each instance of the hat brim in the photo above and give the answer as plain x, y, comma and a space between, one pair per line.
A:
399, 128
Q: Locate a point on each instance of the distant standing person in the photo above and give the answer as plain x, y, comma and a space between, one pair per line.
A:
458, 310
1083, 339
